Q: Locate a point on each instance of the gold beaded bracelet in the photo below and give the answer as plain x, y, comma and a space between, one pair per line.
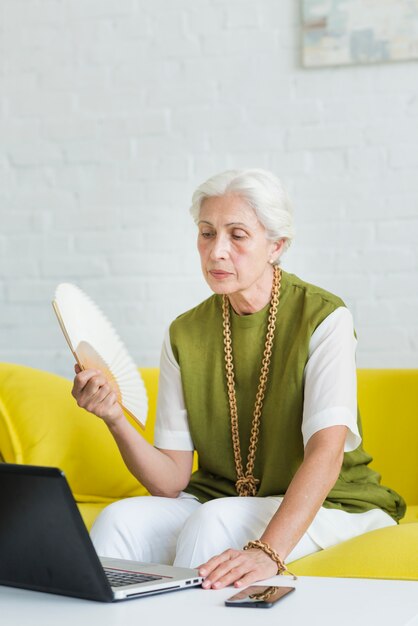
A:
262, 545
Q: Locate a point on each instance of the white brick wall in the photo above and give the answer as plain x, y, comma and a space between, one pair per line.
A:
111, 111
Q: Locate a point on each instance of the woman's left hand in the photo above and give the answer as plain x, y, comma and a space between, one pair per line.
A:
237, 567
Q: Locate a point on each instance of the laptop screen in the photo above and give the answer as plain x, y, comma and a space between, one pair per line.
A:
44, 544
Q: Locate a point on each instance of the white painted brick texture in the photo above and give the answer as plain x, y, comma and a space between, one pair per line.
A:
112, 111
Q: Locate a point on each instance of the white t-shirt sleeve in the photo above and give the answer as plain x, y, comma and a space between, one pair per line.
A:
171, 425
330, 389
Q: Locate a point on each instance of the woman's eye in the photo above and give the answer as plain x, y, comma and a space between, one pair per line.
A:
206, 234
238, 235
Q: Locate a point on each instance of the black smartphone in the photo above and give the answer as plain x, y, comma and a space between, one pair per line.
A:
258, 596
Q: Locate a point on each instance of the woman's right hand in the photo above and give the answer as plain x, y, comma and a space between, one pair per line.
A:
93, 393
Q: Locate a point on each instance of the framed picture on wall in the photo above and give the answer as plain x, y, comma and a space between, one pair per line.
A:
344, 32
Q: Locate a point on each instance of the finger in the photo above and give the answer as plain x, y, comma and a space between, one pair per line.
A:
77, 368
82, 378
215, 561
226, 572
244, 571
249, 578
106, 408
96, 390
96, 398
230, 577
109, 402
252, 563
261, 571
233, 577
86, 386
92, 382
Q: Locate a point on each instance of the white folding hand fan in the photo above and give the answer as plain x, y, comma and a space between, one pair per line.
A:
95, 344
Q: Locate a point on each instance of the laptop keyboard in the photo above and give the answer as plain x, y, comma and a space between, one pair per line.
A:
118, 578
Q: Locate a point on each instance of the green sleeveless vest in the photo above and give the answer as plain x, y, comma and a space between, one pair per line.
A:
197, 342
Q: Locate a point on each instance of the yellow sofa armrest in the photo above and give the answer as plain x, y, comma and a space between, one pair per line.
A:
41, 424
385, 553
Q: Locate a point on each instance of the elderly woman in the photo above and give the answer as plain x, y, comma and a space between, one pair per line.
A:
260, 380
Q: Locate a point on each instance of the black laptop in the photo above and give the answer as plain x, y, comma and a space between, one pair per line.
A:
45, 546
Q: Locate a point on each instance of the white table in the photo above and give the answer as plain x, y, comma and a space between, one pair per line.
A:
324, 601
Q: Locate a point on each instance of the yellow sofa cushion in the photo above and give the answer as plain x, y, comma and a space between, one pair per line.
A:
89, 511
388, 401
41, 424
385, 553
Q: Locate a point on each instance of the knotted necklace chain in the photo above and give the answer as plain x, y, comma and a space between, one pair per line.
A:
246, 483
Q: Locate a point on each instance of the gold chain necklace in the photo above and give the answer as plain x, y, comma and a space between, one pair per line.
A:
246, 484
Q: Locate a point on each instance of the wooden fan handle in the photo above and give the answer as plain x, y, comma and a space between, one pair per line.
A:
66, 335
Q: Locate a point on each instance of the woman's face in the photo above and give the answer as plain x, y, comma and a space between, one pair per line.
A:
232, 244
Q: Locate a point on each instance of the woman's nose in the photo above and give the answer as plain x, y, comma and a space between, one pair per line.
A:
220, 248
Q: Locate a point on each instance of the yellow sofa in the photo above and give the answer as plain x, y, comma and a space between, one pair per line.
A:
40, 424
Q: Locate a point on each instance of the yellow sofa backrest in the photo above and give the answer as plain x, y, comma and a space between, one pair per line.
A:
41, 424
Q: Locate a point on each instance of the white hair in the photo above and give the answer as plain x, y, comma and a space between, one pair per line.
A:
262, 191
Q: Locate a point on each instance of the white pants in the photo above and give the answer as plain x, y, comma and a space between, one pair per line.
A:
183, 532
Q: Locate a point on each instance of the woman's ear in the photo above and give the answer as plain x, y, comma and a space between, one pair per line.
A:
277, 249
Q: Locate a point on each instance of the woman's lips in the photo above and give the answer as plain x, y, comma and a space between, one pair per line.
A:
219, 274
